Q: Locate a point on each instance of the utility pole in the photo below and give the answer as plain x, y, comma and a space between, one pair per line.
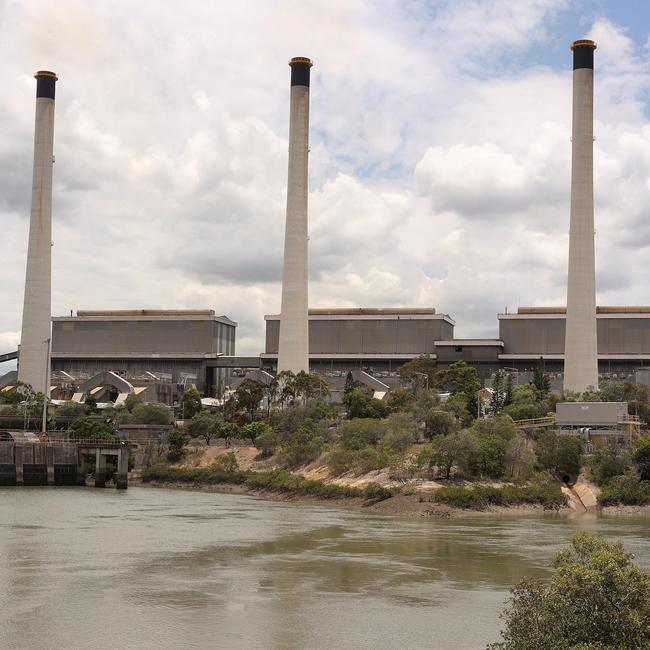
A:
46, 392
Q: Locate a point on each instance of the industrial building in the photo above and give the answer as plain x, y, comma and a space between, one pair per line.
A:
167, 350
175, 348
601, 424
172, 348
380, 340
623, 335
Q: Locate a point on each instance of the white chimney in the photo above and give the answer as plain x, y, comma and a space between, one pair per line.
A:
580, 348
293, 348
36, 328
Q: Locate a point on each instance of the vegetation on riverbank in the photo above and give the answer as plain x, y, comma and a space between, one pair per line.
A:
625, 490
277, 480
624, 475
597, 599
480, 497
413, 437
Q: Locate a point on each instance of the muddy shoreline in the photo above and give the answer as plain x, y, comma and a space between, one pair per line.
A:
411, 505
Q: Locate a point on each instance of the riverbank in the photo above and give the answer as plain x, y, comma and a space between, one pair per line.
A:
242, 470
415, 505
403, 505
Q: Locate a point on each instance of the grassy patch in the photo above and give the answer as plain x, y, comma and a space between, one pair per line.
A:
276, 480
481, 496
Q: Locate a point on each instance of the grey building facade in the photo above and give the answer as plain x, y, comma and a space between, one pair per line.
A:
178, 346
379, 339
623, 335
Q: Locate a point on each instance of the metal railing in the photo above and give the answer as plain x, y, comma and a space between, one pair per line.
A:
535, 422
87, 441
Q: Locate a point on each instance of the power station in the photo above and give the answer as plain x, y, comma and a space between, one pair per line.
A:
579, 339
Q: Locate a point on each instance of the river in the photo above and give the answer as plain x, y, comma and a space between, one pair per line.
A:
173, 569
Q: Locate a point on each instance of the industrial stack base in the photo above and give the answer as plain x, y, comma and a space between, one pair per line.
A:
60, 463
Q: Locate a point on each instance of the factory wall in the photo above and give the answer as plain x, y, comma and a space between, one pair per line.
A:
142, 337
351, 336
546, 336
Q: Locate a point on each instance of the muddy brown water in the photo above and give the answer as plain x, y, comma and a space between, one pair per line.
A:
172, 569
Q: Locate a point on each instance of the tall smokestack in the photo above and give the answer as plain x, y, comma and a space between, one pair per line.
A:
36, 330
293, 349
581, 350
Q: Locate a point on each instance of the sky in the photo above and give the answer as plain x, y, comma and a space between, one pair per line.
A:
439, 166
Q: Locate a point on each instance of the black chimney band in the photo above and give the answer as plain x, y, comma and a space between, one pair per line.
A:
583, 54
45, 86
300, 74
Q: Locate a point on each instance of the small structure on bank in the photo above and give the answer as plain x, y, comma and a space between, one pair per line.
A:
601, 423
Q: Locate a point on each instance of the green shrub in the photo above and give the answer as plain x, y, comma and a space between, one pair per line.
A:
596, 599
561, 454
227, 462
176, 440
148, 413
569, 455
267, 442
89, 429
360, 432
229, 430
71, 409
439, 422
340, 460
491, 458
625, 490
369, 459
288, 419
641, 456
301, 447
361, 405
481, 496
204, 425
519, 459
360, 461
376, 491
458, 449
501, 425
275, 480
252, 430
606, 463
399, 432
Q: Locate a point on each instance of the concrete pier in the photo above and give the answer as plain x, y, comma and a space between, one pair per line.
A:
100, 469
60, 463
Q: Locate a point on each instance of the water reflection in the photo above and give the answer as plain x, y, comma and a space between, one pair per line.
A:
171, 569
